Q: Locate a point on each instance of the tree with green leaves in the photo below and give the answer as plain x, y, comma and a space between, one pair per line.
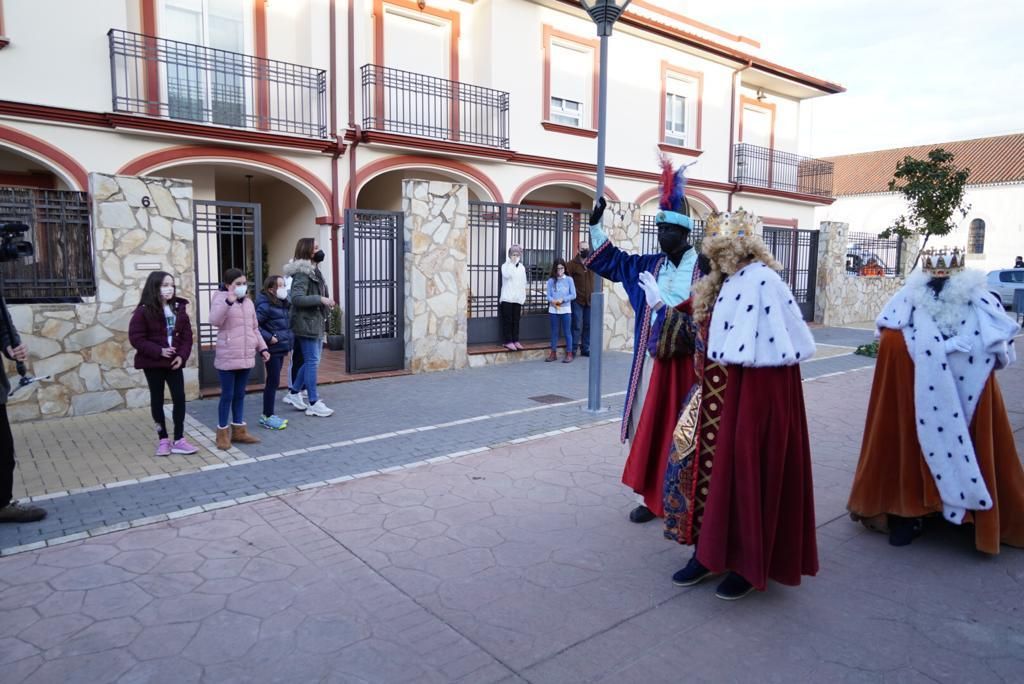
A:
934, 189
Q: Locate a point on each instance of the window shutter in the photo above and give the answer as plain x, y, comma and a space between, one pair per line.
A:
571, 73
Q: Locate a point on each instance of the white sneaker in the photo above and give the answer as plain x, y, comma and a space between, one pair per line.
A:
319, 409
297, 401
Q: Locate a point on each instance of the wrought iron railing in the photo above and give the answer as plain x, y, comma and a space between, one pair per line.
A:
170, 79
649, 234
58, 221
869, 255
764, 167
396, 101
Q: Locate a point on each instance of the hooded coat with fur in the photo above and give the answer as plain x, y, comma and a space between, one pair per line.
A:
309, 315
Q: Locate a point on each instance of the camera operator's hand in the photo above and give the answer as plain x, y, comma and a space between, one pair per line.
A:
19, 353
176, 363
167, 353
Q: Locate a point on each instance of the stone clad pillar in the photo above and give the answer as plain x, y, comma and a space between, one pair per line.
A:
436, 275
832, 238
622, 224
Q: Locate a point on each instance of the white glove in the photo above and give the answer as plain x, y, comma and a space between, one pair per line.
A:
958, 344
651, 291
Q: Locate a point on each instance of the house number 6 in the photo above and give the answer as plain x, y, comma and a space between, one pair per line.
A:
146, 201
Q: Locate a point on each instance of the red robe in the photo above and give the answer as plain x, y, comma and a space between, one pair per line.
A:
671, 381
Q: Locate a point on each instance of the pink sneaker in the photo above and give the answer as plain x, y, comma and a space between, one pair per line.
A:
518, 346
511, 346
182, 446
163, 448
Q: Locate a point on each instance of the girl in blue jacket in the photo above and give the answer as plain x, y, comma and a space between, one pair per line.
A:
272, 315
561, 292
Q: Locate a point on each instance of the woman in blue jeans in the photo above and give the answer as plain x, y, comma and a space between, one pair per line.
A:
310, 308
561, 292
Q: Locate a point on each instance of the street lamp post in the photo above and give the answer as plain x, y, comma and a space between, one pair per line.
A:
604, 13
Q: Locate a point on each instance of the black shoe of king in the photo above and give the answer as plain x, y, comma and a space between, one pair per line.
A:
733, 588
641, 514
693, 573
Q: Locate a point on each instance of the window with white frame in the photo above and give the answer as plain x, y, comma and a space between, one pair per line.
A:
680, 110
572, 80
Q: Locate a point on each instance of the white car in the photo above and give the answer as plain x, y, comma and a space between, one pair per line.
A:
1004, 282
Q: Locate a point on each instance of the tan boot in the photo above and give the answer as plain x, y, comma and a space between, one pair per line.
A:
568, 357
552, 356
223, 438
240, 435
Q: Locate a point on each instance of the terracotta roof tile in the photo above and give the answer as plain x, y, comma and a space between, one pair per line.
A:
998, 159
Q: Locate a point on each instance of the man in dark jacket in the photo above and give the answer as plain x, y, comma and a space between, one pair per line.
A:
10, 510
583, 279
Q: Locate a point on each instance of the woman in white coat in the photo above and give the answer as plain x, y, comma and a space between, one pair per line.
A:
513, 296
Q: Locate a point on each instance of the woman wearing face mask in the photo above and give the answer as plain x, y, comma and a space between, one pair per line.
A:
513, 296
561, 293
161, 332
272, 314
238, 342
310, 308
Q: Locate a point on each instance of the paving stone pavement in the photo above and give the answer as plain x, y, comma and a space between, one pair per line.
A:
512, 565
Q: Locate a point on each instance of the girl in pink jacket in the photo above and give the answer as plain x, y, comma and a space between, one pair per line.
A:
238, 342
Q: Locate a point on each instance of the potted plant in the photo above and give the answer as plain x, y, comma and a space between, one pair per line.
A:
335, 337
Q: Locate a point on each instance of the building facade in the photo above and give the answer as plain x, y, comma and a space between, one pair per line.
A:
276, 120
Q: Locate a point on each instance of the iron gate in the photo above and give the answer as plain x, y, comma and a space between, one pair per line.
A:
797, 251
374, 291
227, 236
544, 234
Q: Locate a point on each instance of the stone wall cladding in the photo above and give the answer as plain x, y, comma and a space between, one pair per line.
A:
622, 224
85, 346
436, 275
841, 298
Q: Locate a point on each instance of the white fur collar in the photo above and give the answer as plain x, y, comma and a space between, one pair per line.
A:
949, 308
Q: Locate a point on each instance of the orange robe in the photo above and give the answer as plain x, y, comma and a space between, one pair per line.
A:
892, 476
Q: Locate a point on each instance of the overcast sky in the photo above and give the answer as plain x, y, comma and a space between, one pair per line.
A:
915, 71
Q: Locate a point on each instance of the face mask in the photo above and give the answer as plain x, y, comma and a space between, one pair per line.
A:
241, 290
515, 258
281, 293
318, 256
167, 292
584, 253
672, 241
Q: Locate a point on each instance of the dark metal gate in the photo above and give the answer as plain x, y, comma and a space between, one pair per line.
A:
544, 234
227, 236
797, 251
374, 291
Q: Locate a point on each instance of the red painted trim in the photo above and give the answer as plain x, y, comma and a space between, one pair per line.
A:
439, 146
648, 195
454, 19
45, 181
668, 69
324, 220
675, 149
46, 113
557, 178
779, 222
50, 153
376, 168
259, 30
165, 157
594, 46
696, 24
568, 130
4, 40
799, 197
151, 75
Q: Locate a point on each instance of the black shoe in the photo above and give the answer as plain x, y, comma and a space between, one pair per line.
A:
902, 531
733, 588
585, 353
15, 512
641, 514
693, 573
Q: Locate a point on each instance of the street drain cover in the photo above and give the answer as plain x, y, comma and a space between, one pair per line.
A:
550, 399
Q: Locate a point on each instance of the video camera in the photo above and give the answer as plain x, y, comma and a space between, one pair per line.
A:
13, 245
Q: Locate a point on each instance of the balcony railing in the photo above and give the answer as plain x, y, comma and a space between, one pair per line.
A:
396, 101
763, 167
169, 79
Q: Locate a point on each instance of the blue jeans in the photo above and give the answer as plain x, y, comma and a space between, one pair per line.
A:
564, 320
273, 381
581, 326
305, 377
232, 396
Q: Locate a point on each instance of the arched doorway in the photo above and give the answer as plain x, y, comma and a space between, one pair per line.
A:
383, 191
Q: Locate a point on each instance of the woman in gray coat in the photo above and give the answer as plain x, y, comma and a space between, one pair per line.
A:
310, 308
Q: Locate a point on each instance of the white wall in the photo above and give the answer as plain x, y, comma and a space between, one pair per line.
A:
1000, 206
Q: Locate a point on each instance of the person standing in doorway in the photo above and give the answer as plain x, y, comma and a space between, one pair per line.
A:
238, 342
161, 333
272, 314
310, 308
561, 293
583, 279
513, 296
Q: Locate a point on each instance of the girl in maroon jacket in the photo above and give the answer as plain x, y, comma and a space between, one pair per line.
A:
161, 332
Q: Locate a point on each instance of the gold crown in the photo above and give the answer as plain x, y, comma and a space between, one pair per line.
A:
732, 224
942, 261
